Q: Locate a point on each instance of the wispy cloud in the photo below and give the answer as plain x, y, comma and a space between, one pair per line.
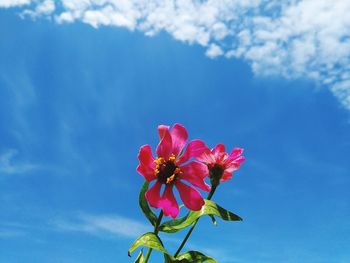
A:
13, 3
102, 225
294, 38
5, 233
45, 8
8, 164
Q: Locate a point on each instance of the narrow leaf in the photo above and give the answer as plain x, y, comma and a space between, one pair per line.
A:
209, 208
213, 219
151, 216
140, 258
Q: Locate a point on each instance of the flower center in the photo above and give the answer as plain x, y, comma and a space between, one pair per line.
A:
216, 171
166, 171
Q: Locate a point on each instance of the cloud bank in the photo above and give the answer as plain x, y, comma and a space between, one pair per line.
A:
294, 38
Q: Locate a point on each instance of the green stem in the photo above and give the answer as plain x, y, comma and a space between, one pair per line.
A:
155, 231
210, 195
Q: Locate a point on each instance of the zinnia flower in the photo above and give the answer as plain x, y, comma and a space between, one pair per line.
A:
221, 164
171, 167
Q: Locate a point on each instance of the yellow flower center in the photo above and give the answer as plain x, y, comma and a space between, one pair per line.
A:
166, 170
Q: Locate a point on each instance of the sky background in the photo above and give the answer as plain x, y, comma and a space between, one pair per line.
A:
84, 84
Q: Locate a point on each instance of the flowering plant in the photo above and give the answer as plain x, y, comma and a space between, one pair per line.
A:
183, 166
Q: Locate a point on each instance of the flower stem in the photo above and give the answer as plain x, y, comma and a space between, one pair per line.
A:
210, 195
155, 231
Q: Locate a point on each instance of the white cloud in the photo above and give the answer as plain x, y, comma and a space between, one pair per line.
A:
214, 51
101, 225
13, 3
8, 165
293, 38
43, 8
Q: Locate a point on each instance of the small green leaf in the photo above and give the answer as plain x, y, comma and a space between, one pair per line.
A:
213, 219
149, 240
194, 257
144, 204
140, 258
209, 208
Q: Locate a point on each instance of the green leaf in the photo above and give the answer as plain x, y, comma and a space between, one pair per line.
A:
149, 240
190, 257
144, 204
209, 208
194, 257
213, 219
140, 258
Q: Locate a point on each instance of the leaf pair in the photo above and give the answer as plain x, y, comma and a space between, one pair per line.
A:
209, 208
151, 240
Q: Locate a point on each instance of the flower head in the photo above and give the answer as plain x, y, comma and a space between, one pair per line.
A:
221, 164
172, 166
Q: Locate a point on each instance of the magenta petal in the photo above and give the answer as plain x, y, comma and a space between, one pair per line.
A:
161, 130
206, 157
194, 169
164, 148
190, 196
240, 159
146, 172
226, 176
179, 137
235, 164
218, 149
195, 173
235, 157
194, 149
236, 152
169, 204
153, 195
146, 157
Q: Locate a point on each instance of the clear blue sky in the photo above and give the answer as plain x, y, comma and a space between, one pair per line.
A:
77, 102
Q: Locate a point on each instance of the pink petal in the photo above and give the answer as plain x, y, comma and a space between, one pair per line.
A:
169, 203
146, 172
218, 149
179, 137
161, 130
195, 173
236, 163
146, 157
232, 167
206, 157
235, 157
190, 196
226, 176
164, 148
194, 169
153, 195
240, 159
236, 152
194, 149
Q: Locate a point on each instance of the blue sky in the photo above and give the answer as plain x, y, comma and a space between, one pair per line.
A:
79, 97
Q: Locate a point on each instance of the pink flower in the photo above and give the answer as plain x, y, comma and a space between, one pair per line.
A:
171, 168
221, 164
